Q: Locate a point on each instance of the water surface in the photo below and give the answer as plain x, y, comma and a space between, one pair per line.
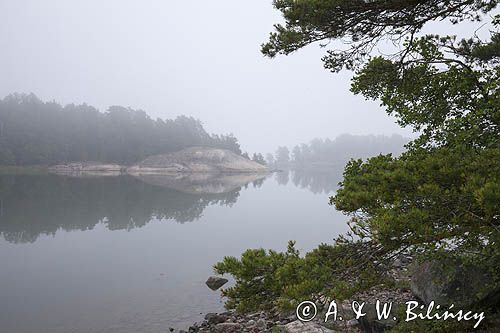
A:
120, 254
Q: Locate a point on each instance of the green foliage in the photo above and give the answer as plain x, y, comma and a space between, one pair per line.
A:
256, 278
443, 90
34, 132
268, 280
443, 193
425, 198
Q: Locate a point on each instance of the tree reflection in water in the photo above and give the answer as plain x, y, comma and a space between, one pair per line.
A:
31, 205
318, 181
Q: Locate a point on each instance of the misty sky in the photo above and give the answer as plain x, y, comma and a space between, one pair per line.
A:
199, 58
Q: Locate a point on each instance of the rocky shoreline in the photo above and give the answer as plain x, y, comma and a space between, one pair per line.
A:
81, 169
267, 322
187, 161
262, 322
415, 282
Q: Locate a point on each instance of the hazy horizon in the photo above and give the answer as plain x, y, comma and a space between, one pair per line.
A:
200, 59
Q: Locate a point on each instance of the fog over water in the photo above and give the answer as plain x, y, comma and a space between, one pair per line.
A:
198, 58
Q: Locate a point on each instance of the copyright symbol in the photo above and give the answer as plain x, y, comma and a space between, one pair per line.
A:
306, 311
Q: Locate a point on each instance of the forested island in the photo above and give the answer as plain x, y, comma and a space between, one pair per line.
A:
34, 132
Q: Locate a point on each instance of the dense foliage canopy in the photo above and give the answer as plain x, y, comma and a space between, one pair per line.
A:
34, 132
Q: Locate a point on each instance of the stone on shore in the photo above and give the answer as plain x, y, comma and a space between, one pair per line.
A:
308, 327
449, 281
227, 328
215, 318
215, 282
372, 324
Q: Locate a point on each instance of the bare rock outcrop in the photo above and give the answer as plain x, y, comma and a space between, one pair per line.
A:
196, 160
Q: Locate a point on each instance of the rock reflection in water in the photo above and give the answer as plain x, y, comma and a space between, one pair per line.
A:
203, 183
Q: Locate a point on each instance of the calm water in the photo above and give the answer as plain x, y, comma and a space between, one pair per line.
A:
120, 254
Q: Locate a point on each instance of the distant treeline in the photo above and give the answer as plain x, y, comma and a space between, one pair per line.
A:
320, 153
37, 132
